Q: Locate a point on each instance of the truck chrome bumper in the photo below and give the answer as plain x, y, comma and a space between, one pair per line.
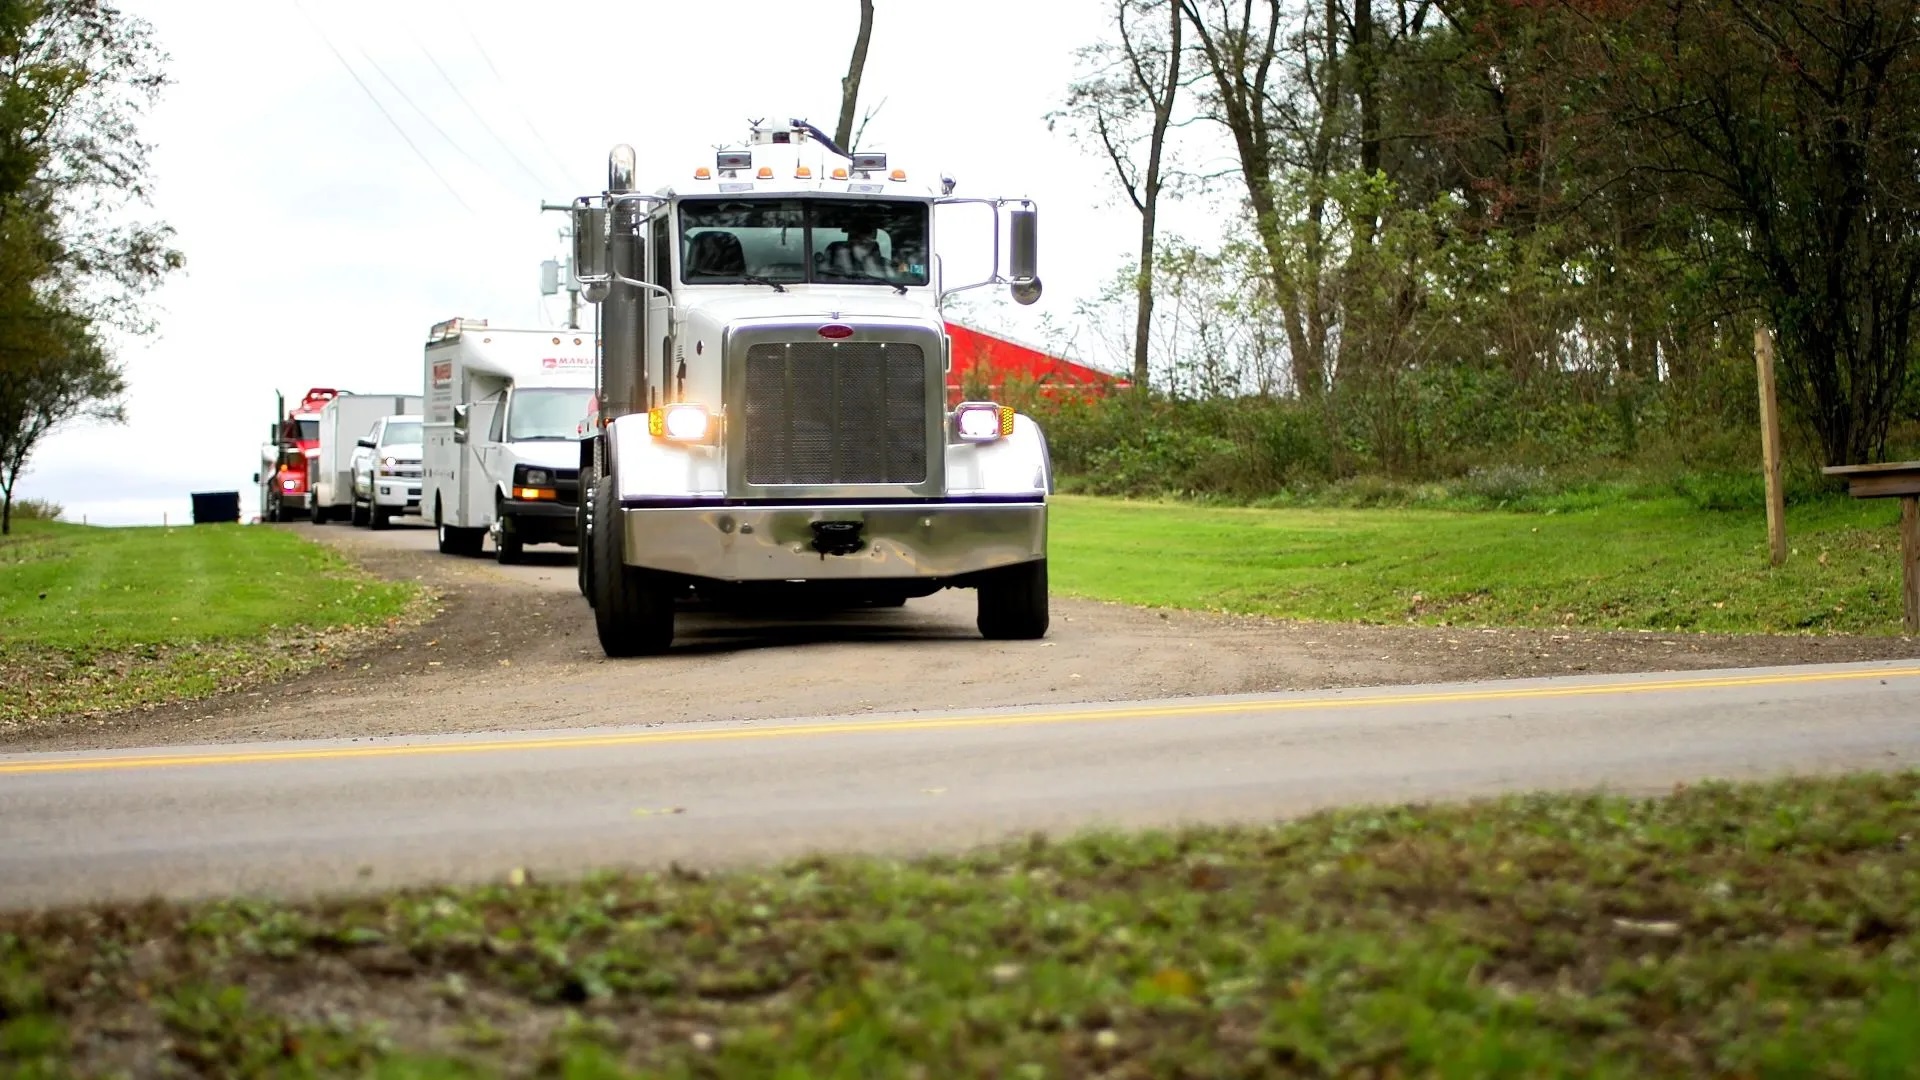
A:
860, 542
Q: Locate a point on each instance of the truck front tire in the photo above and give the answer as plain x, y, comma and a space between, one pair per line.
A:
507, 545
632, 608
1013, 602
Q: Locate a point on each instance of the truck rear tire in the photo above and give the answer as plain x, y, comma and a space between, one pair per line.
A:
379, 517
316, 513
1013, 602
454, 541
359, 516
632, 608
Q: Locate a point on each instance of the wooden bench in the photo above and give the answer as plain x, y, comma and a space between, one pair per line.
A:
1901, 480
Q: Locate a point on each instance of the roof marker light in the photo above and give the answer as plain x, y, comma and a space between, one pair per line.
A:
839, 174
897, 174
703, 173
803, 172
765, 173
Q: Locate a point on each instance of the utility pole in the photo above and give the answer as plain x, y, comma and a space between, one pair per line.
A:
573, 280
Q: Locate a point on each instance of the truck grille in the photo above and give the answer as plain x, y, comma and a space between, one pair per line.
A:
821, 412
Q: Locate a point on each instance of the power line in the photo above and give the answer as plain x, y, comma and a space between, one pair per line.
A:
361, 83
512, 96
538, 182
457, 148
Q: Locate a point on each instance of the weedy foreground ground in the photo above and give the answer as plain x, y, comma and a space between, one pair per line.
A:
1609, 563
1752, 930
99, 619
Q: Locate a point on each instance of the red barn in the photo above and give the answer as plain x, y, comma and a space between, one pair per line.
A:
995, 357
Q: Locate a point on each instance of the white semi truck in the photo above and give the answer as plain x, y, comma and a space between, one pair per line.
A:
504, 412
771, 394
343, 421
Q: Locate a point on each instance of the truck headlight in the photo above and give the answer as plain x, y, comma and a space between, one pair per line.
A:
684, 422
538, 477
982, 421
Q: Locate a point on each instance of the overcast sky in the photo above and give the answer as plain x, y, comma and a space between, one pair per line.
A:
320, 246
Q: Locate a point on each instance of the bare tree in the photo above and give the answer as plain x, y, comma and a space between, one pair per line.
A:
850, 86
1137, 76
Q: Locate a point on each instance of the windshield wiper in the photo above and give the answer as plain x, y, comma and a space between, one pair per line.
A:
862, 275
756, 279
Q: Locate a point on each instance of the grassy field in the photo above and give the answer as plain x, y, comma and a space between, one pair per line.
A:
1765, 930
1660, 564
95, 619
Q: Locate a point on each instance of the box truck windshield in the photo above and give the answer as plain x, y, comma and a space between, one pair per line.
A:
539, 413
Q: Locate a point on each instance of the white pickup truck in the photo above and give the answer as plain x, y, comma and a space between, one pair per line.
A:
386, 471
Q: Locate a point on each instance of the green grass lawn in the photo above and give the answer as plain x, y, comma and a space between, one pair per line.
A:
98, 619
1648, 564
1749, 930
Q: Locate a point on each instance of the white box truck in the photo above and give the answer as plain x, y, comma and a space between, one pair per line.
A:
342, 422
505, 412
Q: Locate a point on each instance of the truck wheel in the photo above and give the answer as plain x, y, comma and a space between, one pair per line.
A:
359, 516
632, 608
455, 541
316, 513
507, 546
1013, 602
379, 517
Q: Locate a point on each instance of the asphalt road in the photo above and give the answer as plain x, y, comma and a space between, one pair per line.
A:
294, 817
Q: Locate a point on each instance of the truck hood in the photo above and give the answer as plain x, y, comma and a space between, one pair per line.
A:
546, 453
404, 451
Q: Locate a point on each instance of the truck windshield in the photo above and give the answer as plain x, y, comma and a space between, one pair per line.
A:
547, 413
400, 433
856, 241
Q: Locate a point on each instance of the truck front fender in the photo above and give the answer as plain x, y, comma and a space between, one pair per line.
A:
648, 468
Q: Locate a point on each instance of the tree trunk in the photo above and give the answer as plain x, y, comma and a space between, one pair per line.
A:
1150, 203
850, 86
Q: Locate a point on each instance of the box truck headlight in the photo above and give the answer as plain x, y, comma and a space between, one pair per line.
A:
538, 477
684, 422
982, 421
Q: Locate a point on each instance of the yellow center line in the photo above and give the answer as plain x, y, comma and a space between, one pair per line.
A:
868, 727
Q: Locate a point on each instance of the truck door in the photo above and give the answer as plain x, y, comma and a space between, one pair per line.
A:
485, 422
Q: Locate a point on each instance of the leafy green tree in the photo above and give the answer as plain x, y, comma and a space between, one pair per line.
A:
76, 77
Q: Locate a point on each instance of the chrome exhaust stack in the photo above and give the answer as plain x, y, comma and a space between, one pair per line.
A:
623, 375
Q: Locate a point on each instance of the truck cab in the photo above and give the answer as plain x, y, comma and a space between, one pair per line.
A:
771, 388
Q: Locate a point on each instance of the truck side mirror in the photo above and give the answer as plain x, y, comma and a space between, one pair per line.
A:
368, 443
1023, 263
460, 423
256, 478
589, 243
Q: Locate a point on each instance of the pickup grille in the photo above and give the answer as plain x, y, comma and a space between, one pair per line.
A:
823, 413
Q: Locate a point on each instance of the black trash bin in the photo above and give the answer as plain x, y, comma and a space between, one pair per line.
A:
215, 506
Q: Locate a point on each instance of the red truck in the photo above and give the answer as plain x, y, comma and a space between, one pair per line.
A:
286, 475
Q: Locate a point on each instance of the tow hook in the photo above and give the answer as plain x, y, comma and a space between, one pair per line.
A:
837, 537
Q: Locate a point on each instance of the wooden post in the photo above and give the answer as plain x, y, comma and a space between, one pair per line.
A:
1910, 558
1770, 446
1901, 480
